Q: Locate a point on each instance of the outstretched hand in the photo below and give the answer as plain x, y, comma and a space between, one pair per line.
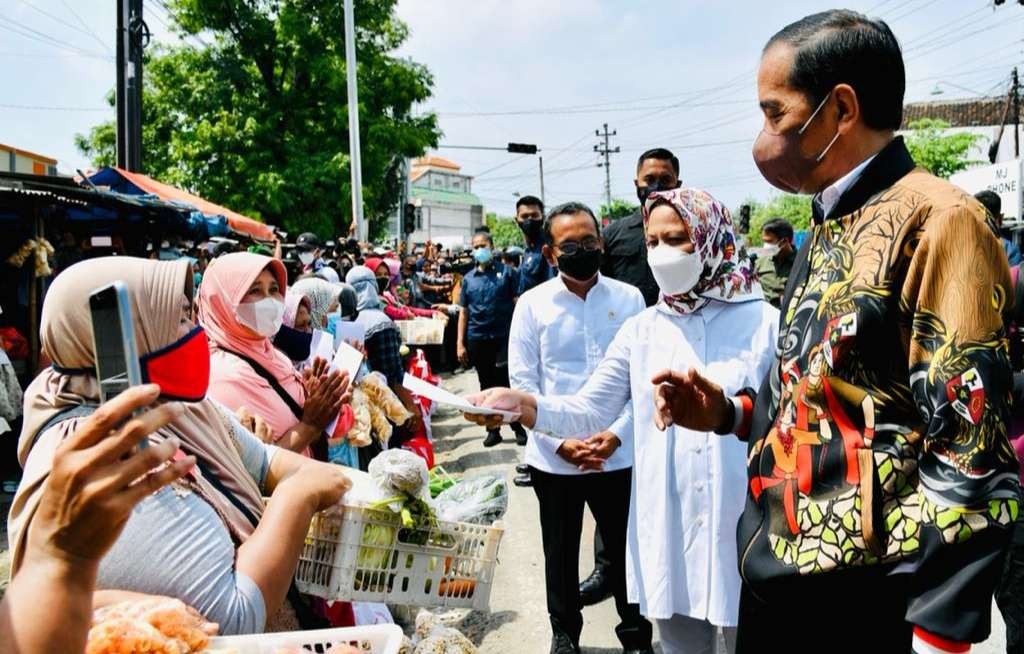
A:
502, 399
688, 399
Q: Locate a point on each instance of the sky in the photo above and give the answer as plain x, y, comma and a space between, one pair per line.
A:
678, 74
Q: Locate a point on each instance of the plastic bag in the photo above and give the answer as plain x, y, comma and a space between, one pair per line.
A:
480, 500
359, 434
401, 472
380, 424
376, 387
433, 636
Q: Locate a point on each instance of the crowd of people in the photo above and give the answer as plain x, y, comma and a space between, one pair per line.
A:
811, 450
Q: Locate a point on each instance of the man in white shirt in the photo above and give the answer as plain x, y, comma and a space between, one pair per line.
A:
560, 331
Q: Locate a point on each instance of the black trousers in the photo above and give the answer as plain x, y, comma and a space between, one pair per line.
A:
1010, 592
490, 358
859, 610
561, 499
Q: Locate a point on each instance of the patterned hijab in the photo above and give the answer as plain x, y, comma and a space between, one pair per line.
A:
322, 294
729, 274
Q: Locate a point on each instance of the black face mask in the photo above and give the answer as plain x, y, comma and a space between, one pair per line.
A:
643, 191
293, 343
532, 229
383, 283
582, 265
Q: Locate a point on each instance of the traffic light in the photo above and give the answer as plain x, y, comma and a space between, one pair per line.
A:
522, 148
744, 222
409, 219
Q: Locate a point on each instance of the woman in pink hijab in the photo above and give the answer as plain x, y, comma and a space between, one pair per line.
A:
241, 306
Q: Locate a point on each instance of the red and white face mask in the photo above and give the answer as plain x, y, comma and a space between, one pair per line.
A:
182, 369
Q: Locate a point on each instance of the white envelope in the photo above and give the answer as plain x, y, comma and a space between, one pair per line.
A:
349, 359
438, 394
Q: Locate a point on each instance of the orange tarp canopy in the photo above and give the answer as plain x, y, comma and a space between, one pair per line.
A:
236, 221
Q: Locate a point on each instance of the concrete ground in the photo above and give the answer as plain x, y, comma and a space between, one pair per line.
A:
518, 619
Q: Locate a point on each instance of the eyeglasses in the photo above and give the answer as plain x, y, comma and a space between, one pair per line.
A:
570, 248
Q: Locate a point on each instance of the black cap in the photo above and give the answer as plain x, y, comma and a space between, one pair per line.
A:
308, 241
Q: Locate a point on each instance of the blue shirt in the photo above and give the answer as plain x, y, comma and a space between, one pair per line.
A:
1013, 255
535, 269
488, 295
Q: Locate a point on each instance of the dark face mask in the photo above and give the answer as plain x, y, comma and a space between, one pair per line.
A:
293, 343
581, 266
643, 191
383, 283
532, 229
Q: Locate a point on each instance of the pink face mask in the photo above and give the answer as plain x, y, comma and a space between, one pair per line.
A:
781, 161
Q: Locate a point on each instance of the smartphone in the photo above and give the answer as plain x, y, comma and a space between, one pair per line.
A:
113, 337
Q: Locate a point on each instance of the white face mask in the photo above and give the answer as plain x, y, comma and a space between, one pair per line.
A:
306, 258
675, 271
770, 249
263, 317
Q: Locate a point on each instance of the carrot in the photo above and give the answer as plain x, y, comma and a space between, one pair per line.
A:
457, 587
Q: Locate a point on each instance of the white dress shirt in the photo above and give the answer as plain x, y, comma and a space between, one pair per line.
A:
829, 198
688, 487
556, 342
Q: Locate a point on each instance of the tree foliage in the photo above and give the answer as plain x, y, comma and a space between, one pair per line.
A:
504, 231
794, 208
617, 209
940, 153
259, 120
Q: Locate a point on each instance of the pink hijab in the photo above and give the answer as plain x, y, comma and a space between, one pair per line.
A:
233, 382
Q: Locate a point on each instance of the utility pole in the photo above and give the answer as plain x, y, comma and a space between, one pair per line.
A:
355, 161
1016, 114
605, 151
132, 36
540, 160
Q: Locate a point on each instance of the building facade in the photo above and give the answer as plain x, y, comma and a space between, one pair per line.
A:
447, 211
16, 160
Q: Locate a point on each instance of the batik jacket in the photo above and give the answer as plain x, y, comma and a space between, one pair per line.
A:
879, 436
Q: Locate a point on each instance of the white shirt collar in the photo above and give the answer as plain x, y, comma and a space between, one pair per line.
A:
562, 288
829, 198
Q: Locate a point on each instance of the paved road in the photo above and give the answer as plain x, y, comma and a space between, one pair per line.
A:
518, 619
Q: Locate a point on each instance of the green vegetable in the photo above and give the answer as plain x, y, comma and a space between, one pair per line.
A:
440, 481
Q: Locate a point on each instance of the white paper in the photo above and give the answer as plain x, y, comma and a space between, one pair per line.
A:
349, 359
321, 345
348, 331
438, 394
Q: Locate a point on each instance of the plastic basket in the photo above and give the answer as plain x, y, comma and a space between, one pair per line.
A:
451, 565
371, 639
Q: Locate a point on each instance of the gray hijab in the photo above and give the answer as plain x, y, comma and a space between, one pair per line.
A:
368, 303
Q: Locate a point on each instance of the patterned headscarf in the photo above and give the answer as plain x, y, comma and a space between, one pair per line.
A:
729, 274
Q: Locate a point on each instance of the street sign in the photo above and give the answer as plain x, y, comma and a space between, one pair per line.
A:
1002, 178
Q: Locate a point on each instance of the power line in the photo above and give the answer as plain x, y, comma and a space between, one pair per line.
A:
88, 32
85, 25
571, 111
33, 107
30, 33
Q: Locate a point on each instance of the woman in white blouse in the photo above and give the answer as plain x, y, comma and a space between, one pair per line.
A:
688, 487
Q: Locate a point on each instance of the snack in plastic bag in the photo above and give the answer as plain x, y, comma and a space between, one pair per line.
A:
156, 625
402, 472
433, 637
478, 499
376, 387
359, 435
380, 424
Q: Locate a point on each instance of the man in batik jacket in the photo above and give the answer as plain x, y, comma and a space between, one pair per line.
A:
885, 531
